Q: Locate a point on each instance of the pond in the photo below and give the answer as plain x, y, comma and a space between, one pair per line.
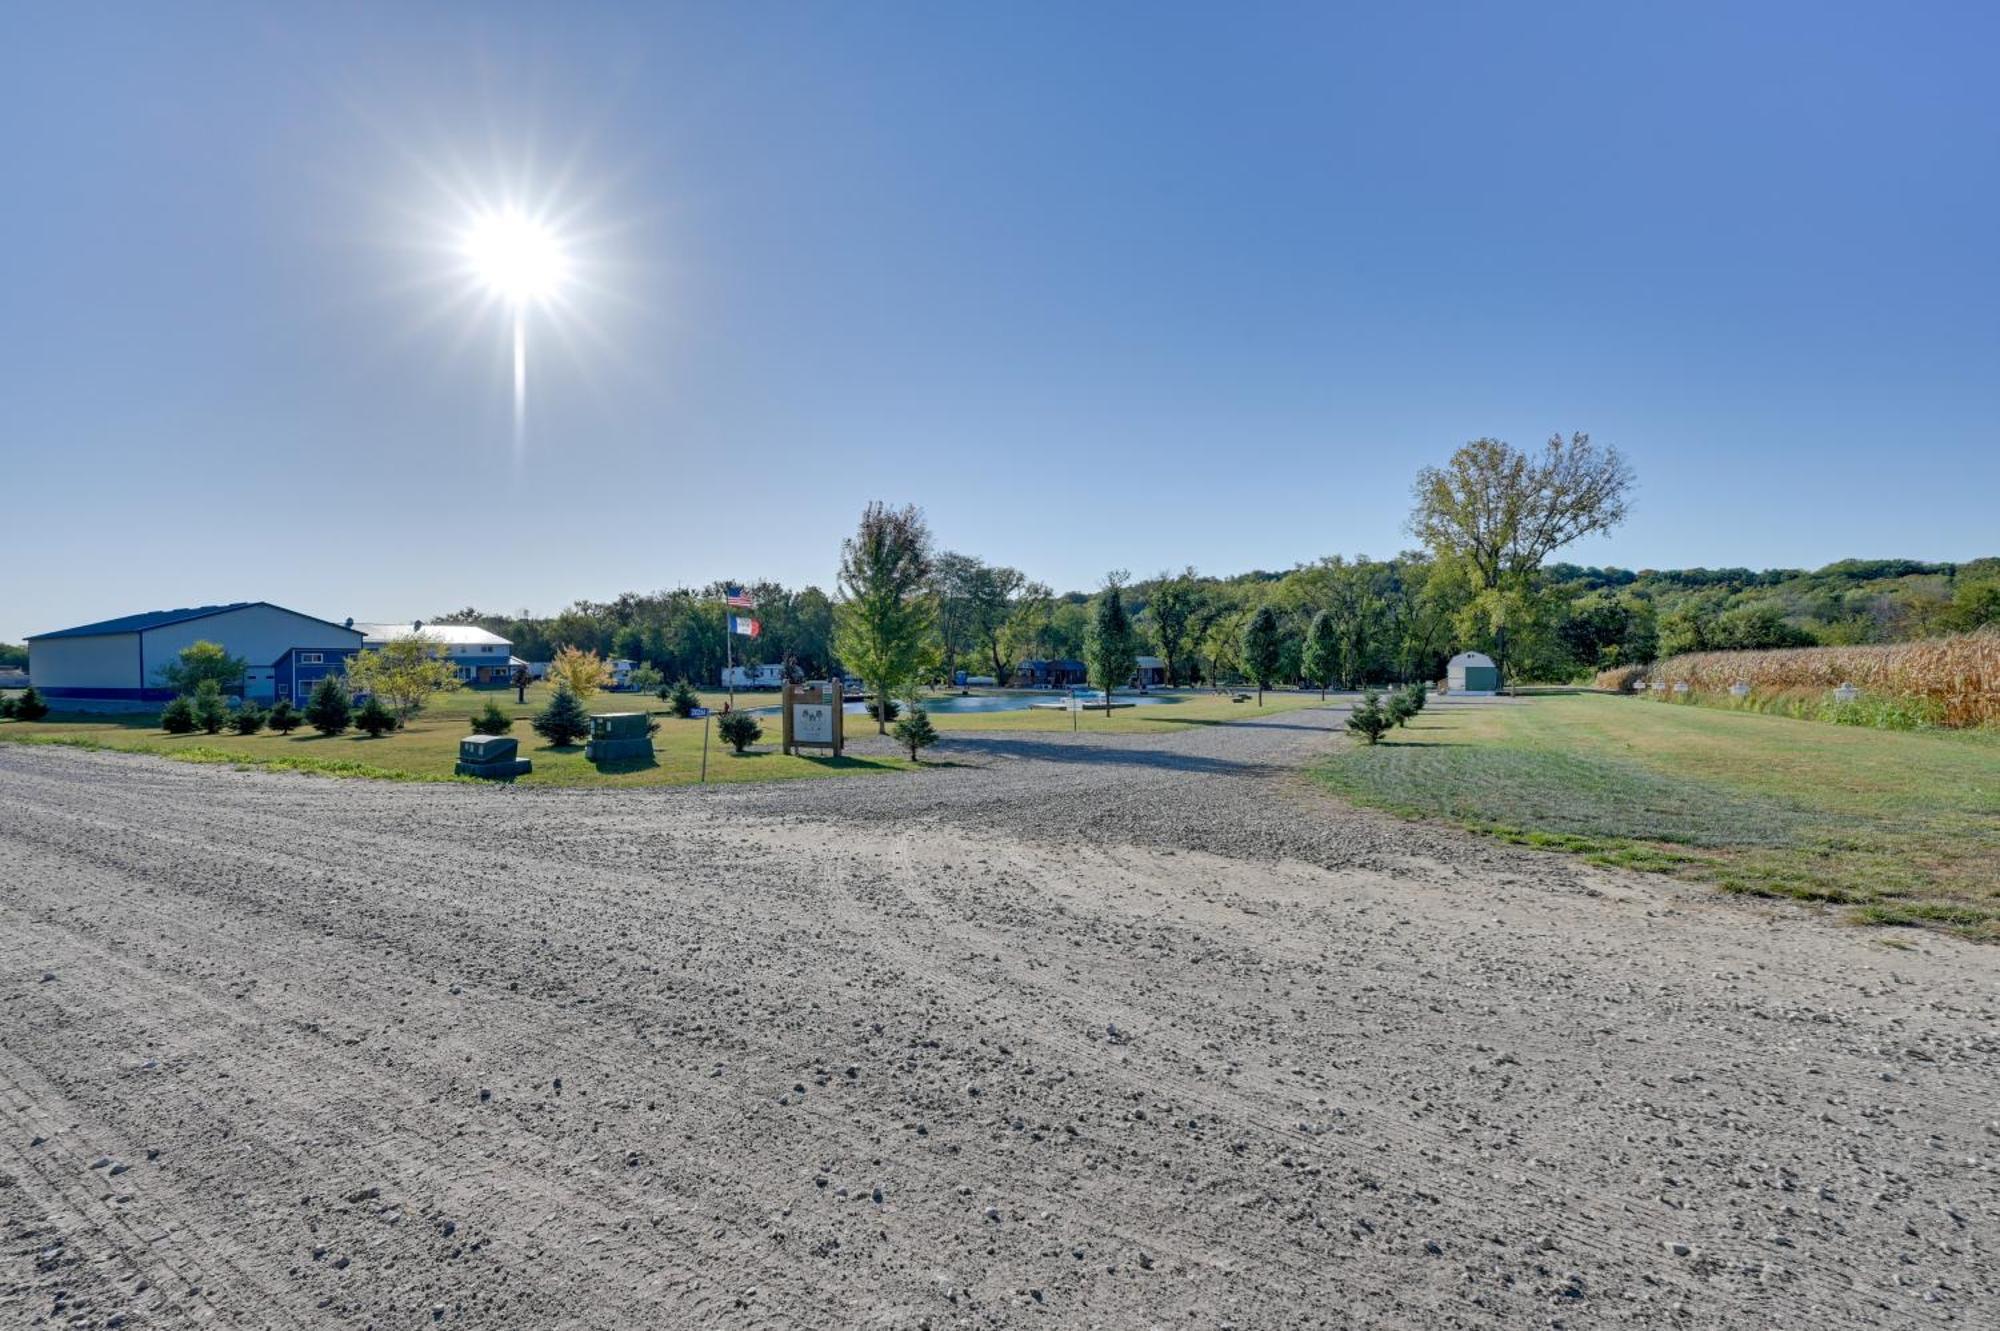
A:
954, 703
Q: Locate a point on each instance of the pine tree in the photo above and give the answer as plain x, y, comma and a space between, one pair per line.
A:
1369, 719
248, 719
329, 710
29, 706
1260, 649
915, 731
740, 729
682, 699
492, 721
1112, 651
211, 709
562, 721
178, 717
284, 718
1320, 662
374, 718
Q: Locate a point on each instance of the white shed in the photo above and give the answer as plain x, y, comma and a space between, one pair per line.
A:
1472, 672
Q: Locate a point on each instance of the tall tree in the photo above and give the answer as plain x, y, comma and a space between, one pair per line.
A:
1112, 651
1320, 662
204, 660
954, 590
885, 619
1176, 600
993, 594
1260, 649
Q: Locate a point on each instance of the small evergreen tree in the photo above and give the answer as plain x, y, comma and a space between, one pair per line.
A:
6, 708
1369, 718
884, 710
492, 721
563, 721
1260, 649
248, 719
681, 698
211, 709
739, 729
915, 731
284, 718
374, 718
29, 706
328, 709
1320, 662
1399, 707
178, 717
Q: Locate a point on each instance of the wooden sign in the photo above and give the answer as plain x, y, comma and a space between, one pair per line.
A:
814, 715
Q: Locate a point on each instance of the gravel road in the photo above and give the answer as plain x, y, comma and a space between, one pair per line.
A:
1132, 1032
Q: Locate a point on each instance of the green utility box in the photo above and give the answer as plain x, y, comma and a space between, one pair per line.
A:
619, 737
493, 757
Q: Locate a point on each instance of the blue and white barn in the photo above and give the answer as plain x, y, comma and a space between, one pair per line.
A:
115, 664
478, 656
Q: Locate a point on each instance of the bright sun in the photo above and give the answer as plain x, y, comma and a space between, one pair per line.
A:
518, 258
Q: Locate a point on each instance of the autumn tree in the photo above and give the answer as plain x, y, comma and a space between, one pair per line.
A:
582, 673
886, 616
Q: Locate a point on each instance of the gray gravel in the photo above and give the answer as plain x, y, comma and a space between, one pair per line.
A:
903, 1052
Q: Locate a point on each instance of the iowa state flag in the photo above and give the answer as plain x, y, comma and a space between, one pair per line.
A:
744, 625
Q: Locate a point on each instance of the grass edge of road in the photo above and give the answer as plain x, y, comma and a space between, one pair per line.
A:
1892, 828
211, 756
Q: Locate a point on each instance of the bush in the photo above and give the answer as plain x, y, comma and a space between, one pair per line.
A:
211, 709
29, 706
563, 720
374, 718
646, 680
1370, 719
681, 698
740, 729
492, 720
6, 709
884, 710
1399, 708
284, 718
248, 719
915, 731
178, 718
328, 709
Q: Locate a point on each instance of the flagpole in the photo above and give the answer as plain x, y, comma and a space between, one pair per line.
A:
729, 638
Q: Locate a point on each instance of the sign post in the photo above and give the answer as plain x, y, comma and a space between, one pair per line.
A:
814, 716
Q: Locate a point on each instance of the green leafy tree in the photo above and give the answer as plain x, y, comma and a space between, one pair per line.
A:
374, 718
492, 720
1176, 603
1111, 653
329, 709
248, 719
211, 709
563, 720
1370, 719
739, 730
284, 718
682, 699
404, 672
1261, 645
199, 661
177, 718
29, 706
915, 731
1320, 662
646, 680
13, 656
884, 623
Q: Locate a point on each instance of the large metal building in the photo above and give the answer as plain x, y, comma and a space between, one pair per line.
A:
115, 663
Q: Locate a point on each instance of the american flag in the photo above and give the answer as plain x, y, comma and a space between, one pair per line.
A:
732, 594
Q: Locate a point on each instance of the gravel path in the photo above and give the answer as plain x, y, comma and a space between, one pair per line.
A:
906, 1052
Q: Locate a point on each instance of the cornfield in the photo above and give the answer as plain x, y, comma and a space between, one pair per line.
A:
1958, 676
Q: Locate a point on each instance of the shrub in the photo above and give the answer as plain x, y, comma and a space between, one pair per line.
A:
740, 729
563, 720
248, 719
915, 731
1369, 718
178, 717
1399, 707
284, 718
492, 720
374, 718
211, 709
681, 698
884, 710
29, 706
328, 708
6, 708
646, 680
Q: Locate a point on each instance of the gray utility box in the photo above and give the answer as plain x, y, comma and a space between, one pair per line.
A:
493, 757
619, 736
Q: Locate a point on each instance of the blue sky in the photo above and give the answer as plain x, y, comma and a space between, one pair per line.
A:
1101, 286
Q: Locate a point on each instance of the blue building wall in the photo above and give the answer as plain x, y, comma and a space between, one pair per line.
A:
298, 672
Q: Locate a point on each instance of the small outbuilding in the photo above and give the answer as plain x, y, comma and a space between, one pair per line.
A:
1472, 672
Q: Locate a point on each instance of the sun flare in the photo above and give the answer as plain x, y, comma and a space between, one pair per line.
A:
516, 258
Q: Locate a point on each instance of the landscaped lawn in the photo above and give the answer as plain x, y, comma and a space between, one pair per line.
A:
1904, 826
428, 747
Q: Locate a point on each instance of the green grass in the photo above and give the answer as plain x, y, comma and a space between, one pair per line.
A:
1176, 712
1903, 827
427, 748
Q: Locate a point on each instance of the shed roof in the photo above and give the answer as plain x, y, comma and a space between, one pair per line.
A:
153, 619
451, 635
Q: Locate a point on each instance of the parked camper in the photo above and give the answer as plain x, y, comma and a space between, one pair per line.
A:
753, 677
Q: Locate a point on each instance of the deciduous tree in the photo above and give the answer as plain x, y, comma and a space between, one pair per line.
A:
200, 661
1112, 652
885, 619
404, 672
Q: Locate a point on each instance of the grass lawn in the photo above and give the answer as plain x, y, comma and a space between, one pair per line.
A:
1177, 712
427, 748
1904, 827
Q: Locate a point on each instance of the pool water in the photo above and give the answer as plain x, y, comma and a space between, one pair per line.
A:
1003, 702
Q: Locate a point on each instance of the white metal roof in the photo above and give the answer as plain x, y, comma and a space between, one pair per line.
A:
451, 635
1471, 659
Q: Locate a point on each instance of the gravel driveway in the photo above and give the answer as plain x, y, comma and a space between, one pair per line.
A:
1125, 1032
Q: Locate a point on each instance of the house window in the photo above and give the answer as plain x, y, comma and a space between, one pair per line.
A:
312, 658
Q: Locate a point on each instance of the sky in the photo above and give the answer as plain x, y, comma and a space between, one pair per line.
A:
1103, 286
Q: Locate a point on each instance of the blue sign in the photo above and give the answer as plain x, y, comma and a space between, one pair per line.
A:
698, 713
